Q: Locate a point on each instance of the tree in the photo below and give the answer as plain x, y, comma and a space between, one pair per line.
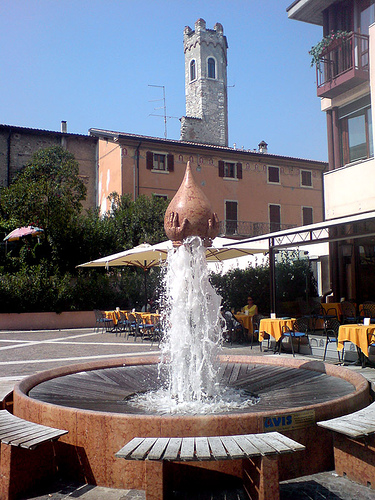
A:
47, 192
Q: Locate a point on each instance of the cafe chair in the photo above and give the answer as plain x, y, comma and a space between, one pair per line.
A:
256, 323
122, 323
331, 330
369, 311
234, 329
132, 326
101, 321
299, 331
349, 313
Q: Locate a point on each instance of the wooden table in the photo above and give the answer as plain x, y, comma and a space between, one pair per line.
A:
274, 327
360, 335
246, 321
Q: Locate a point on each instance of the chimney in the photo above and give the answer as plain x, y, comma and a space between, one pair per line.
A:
262, 147
64, 127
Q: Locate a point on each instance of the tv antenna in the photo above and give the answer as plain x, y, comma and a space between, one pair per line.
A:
164, 108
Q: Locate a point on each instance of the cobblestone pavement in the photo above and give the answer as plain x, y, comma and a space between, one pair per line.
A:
24, 353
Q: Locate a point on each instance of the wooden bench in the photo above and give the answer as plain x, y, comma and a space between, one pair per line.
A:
258, 452
20, 466
354, 444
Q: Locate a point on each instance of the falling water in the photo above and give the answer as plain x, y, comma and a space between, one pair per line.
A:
193, 330
192, 341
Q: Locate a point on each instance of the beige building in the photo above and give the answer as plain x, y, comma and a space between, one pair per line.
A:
252, 192
18, 144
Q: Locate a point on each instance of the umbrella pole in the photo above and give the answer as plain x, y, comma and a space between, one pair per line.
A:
145, 271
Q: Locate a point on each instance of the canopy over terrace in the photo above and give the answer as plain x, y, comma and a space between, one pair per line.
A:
330, 231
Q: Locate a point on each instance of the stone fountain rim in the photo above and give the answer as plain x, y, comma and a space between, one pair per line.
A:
361, 386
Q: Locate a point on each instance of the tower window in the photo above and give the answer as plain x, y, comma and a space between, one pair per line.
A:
211, 67
192, 70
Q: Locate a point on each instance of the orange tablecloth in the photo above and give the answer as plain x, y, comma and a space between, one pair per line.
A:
246, 321
114, 316
359, 335
274, 327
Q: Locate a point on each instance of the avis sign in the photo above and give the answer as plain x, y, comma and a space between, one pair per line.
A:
290, 421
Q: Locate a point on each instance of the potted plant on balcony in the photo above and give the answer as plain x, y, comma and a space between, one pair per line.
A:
328, 41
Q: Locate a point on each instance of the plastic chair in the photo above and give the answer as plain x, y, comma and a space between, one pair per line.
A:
299, 330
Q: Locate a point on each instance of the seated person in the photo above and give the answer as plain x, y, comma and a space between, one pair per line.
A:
251, 309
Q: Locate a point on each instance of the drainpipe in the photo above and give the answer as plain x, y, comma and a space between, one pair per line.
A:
136, 172
7, 181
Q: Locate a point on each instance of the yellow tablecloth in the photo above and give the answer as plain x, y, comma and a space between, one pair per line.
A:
246, 321
274, 327
359, 335
115, 316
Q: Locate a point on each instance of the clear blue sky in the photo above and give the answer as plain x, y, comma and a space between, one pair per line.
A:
90, 62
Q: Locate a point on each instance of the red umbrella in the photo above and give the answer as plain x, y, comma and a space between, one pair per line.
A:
21, 232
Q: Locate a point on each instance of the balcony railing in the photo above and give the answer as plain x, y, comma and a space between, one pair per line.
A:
343, 65
247, 229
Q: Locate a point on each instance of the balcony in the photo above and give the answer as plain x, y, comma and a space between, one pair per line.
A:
246, 229
343, 65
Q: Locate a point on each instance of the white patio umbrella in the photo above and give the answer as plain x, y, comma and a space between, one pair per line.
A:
147, 256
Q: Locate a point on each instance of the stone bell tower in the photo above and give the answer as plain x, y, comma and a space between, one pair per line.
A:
206, 119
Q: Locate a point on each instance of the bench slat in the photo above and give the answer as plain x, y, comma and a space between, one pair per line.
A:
245, 443
129, 447
35, 440
262, 445
232, 447
187, 449
208, 448
293, 445
217, 448
141, 452
202, 448
173, 448
157, 450
343, 428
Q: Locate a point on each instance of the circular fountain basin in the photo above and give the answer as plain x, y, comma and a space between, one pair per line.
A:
90, 400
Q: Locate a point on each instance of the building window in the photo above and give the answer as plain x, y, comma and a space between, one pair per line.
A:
275, 217
192, 70
230, 170
160, 162
274, 175
163, 196
307, 216
231, 217
356, 131
306, 178
211, 68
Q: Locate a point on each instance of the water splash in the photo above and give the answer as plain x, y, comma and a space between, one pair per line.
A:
193, 331
189, 370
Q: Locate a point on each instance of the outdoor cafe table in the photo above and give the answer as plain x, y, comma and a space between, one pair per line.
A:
360, 335
274, 327
115, 316
246, 321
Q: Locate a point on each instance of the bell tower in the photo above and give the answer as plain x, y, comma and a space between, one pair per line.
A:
206, 119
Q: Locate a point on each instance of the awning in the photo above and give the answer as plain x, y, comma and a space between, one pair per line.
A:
316, 233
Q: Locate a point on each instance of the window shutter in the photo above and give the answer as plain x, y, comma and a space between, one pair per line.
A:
170, 163
149, 160
239, 170
221, 168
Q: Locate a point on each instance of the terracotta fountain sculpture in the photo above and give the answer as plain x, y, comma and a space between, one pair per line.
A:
89, 400
190, 213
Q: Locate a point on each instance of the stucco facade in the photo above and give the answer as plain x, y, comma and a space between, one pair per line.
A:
18, 144
235, 181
